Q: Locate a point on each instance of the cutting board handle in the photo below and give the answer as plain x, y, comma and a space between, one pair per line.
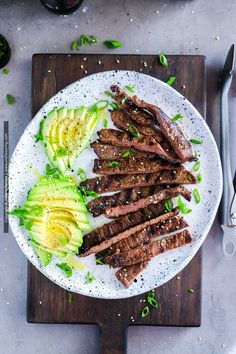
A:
113, 338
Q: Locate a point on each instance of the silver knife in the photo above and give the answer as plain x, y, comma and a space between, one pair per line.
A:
228, 202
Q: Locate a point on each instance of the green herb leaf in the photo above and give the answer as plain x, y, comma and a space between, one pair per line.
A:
168, 205
51, 171
67, 270
105, 122
145, 311
88, 39
130, 88
37, 210
61, 151
171, 80
90, 277
196, 141
5, 71
177, 117
134, 131
196, 195
196, 166
109, 94
128, 153
113, 164
10, 99
199, 178
183, 207
92, 194
163, 59
70, 297
114, 105
75, 45
39, 135
151, 299
191, 290
113, 44
20, 213
82, 174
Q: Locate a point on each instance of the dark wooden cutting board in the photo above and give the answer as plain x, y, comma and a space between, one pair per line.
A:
48, 303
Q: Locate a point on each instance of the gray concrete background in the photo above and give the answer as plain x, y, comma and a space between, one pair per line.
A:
148, 26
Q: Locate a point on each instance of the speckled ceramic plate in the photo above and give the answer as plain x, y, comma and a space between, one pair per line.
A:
29, 156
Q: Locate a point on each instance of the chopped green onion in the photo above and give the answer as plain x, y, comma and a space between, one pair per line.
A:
196, 195
151, 299
51, 171
105, 122
196, 141
113, 44
75, 45
124, 99
196, 166
100, 108
88, 39
65, 268
145, 311
70, 297
168, 205
90, 277
38, 136
10, 99
130, 88
177, 117
199, 178
191, 290
113, 164
109, 94
134, 131
182, 206
114, 105
5, 71
99, 260
189, 177
171, 80
128, 153
92, 194
163, 59
82, 174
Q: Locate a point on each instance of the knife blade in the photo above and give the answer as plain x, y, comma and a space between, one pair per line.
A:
228, 222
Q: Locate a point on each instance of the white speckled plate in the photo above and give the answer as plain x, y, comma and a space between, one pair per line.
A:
161, 268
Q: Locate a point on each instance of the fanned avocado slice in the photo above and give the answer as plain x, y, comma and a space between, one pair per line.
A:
65, 133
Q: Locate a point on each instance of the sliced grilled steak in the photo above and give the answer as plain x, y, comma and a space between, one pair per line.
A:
170, 129
113, 228
111, 152
146, 235
99, 205
122, 121
146, 252
156, 198
131, 166
122, 235
105, 184
142, 143
138, 115
126, 275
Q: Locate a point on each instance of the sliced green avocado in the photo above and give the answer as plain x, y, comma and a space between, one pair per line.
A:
65, 133
55, 215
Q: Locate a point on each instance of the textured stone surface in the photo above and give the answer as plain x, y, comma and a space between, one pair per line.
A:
180, 27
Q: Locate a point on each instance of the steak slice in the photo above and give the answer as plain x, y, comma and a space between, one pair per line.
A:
146, 252
142, 143
105, 184
122, 121
156, 198
170, 129
111, 152
131, 166
121, 224
126, 275
122, 235
99, 205
146, 235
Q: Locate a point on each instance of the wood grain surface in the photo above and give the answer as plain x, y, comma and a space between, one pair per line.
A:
48, 303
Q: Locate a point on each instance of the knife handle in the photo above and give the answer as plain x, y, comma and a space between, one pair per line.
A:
229, 245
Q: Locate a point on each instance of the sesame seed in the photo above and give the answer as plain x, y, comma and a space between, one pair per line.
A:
217, 38
81, 66
85, 71
117, 60
99, 62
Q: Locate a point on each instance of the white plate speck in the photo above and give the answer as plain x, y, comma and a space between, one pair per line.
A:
162, 268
